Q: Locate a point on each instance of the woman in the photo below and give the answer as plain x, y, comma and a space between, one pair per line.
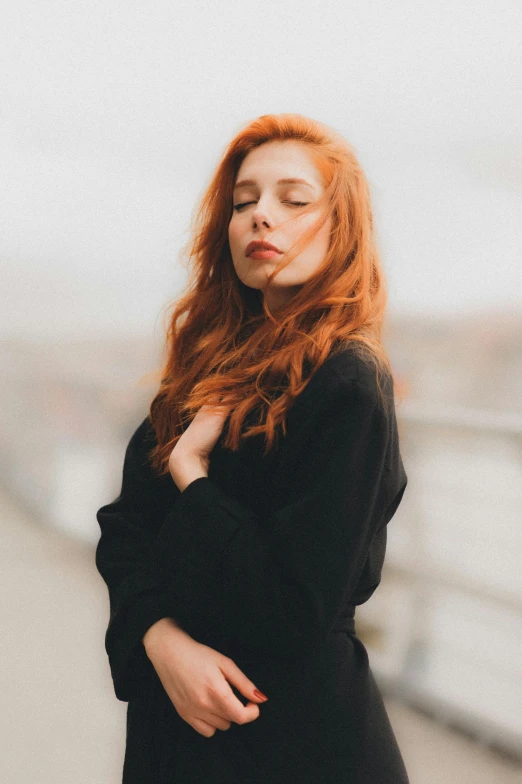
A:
256, 493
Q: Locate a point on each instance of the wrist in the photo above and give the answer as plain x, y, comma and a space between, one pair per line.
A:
157, 629
184, 469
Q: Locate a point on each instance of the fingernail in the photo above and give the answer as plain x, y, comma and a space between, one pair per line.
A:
260, 695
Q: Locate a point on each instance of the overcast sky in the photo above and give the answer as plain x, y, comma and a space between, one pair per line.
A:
113, 116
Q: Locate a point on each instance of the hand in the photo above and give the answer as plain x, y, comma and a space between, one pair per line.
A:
196, 678
190, 456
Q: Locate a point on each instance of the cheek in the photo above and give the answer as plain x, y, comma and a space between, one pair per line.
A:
315, 253
323, 236
305, 221
234, 229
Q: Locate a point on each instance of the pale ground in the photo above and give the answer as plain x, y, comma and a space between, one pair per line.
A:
60, 722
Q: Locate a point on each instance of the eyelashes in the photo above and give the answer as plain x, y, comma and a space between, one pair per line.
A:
294, 203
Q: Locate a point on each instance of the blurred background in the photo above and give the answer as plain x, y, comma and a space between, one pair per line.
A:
112, 118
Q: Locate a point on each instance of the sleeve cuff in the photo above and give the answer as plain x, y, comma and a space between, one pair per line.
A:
130, 665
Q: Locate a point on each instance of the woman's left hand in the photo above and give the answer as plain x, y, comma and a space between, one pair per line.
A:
192, 450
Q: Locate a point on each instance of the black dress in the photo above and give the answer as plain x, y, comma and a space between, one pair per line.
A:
264, 560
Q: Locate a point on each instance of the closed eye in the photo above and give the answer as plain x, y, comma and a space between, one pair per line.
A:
295, 203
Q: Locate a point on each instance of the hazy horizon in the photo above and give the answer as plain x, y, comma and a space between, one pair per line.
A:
114, 118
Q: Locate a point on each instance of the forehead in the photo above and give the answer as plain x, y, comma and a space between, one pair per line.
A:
282, 162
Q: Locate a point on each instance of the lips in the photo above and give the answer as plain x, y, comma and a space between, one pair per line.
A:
260, 245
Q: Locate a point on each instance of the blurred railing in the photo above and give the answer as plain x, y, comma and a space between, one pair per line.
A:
443, 630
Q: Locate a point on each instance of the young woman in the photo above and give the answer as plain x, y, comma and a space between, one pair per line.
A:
257, 491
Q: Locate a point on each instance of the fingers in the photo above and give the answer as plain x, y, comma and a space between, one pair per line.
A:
229, 708
245, 713
203, 727
243, 684
208, 728
219, 722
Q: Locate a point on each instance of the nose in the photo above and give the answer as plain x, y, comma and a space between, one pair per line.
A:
260, 217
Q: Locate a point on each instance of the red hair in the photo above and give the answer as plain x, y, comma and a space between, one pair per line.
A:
224, 344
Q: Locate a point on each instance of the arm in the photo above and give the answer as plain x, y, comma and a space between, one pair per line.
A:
129, 526
282, 579
285, 578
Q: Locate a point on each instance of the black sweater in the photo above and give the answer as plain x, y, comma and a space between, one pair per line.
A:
266, 557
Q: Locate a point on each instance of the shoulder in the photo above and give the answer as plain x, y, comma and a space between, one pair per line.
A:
141, 440
344, 385
346, 372
137, 463
140, 479
365, 378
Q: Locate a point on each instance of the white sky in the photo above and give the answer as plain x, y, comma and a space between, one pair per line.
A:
113, 116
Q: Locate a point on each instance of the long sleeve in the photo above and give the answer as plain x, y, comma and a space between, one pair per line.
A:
127, 526
285, 577
274, 584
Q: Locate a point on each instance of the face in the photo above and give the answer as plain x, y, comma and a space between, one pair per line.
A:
270, 210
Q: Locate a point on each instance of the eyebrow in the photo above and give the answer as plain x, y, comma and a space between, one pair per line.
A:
284, 181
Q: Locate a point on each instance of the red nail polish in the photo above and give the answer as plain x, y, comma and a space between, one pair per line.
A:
260, 694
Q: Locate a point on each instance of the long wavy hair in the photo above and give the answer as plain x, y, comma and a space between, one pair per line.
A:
224, 346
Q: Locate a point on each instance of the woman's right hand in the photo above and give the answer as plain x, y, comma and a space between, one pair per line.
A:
196, 679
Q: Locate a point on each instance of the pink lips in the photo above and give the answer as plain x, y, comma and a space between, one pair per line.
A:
259, 249
262, 253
